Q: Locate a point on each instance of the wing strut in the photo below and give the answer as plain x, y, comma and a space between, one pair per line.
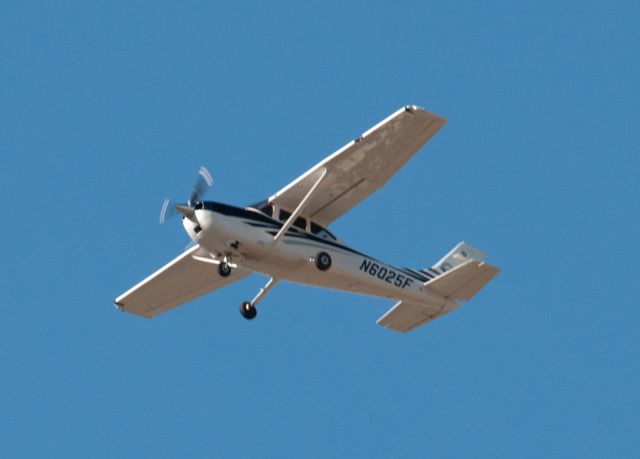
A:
296, 212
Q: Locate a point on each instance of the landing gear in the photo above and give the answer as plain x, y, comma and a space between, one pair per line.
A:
224, 269
323, 261
248, 310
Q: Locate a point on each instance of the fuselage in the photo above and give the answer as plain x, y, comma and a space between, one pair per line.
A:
245, 236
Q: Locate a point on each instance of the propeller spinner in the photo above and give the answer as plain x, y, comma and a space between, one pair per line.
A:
203, 183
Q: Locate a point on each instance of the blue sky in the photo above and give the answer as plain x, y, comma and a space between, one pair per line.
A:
106, 108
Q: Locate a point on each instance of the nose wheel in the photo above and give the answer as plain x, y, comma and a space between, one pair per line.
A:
224, 269
248, 310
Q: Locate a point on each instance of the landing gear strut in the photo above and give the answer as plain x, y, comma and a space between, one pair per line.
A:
248, 308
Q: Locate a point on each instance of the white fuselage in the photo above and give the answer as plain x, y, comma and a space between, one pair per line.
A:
246, 238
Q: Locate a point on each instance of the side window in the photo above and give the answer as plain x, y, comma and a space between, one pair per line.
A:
284, 215
321, 232
326, 235
268, 210
300, 222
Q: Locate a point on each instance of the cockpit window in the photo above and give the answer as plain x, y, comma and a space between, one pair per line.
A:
321, 232
300, 222
268, 209
284, 215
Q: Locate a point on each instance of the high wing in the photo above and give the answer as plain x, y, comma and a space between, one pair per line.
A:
362, 166
177, 282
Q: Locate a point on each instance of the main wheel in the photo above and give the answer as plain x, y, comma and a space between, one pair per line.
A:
224, 269
323, 261
248, 310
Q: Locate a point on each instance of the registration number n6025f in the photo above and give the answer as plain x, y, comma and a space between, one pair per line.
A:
386, 274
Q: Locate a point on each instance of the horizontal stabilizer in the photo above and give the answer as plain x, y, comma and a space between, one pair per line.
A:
463, 281
457, 284
405, 316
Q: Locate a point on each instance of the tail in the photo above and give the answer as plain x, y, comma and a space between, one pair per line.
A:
461, 273
457, 277
458, 255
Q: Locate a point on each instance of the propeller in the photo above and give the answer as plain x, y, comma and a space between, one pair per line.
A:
203, 183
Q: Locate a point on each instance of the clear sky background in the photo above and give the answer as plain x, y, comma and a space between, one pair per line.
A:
108, 107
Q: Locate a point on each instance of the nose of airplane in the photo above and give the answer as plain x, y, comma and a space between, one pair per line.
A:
186, 211
191, 224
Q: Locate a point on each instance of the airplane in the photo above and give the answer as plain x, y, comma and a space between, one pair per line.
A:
286, 237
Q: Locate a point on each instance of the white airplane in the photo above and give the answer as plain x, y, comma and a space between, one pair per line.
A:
286, 237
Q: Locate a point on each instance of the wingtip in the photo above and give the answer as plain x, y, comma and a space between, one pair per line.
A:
413, 108
118, 305
416, 108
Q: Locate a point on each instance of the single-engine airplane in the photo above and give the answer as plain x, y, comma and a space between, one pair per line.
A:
286, 237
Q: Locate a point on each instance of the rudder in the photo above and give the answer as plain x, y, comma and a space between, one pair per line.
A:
458, 255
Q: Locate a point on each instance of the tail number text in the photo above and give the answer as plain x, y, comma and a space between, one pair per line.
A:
385, 274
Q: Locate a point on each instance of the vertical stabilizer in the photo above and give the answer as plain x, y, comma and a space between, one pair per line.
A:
458, 255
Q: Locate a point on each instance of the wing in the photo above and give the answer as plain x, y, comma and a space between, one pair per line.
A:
362, 166
177, 282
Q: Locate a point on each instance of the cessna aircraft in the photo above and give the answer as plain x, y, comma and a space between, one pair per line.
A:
286, 237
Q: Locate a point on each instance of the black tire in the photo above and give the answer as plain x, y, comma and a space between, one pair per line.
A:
224, 269
323, 261
248, 310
